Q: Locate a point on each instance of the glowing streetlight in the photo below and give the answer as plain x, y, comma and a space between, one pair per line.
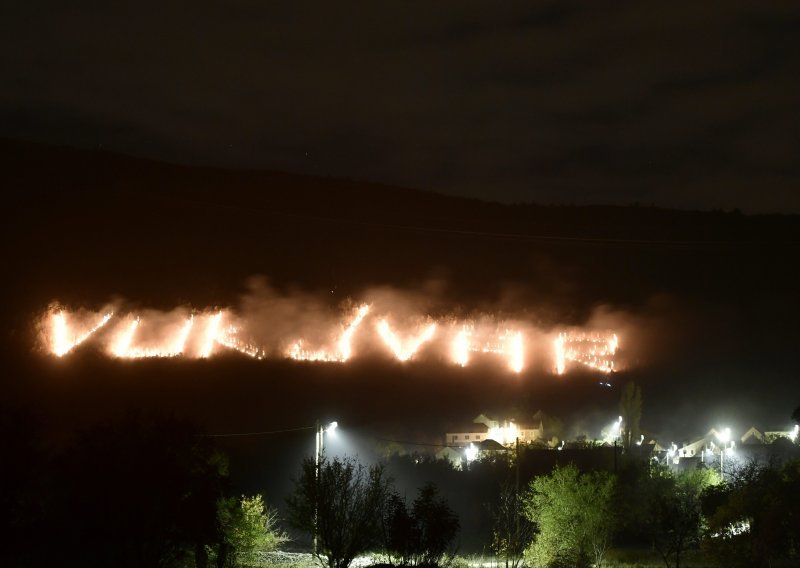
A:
321, 431
793, 434
673, 449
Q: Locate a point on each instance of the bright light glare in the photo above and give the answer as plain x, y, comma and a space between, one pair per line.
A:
332, 426
471, 452
724, 435
504, 435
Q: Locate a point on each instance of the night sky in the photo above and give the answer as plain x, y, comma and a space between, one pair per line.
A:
682, 104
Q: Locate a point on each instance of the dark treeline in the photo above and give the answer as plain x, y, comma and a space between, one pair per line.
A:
139, 490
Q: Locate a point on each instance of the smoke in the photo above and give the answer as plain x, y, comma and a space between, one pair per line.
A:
418, 325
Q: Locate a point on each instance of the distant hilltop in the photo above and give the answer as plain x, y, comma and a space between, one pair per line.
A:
71, 178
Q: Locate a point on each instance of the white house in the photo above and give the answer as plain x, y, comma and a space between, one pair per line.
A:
506, 432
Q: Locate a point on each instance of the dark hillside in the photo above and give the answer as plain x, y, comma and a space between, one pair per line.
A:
714, 293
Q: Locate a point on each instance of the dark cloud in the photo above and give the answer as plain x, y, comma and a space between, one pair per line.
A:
684, 104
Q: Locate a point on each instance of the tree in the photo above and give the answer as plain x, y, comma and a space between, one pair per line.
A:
341, 503
573, 515
753, 520
423, 536
436, 523
630, 408
140, 491
512, 531
796, 415
247, 527
671, 514
401, 532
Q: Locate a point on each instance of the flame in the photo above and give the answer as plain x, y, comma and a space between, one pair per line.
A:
593, 349
344, 347
613, 343
461, 347
404, 352
123, 344
298, 353
63, 341
517, 355
61, 345
560, 355
180, 342
173, 350
212, 332
228, 338
509, 344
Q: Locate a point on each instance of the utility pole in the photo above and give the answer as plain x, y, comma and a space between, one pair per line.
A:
516, 509
320, 448
317, 456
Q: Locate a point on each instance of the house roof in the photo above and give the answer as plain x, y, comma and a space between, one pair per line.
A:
470, 429
491, 446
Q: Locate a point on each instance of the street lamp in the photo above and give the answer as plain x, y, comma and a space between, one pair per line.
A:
724, 436
321, 430
320, 446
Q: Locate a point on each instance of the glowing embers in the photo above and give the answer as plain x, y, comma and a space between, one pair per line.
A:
212, 330
228, 337
66, 336
153, 334
595, 350
344, 349
404, 350
507, 343
121, 346
192, 334
183, 336
137, 338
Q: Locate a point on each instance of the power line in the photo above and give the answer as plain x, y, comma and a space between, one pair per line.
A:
410, 443
262, 433
301, 428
